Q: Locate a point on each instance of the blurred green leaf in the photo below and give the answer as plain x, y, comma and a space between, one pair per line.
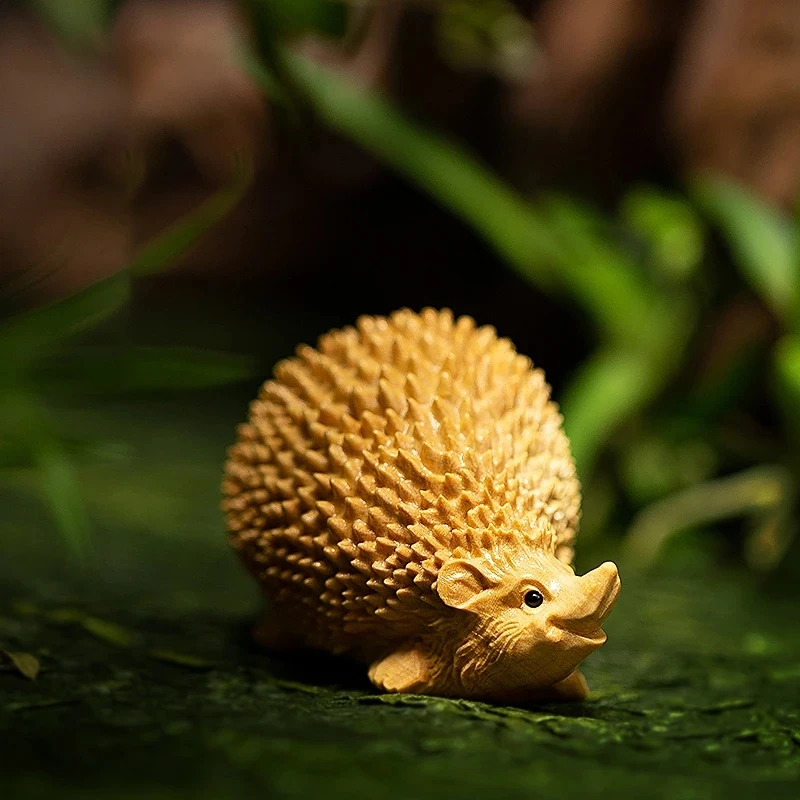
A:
760, 493
618, 381
564, 242
787, 380
28, 335
28, 426
723, 389
764, 242
787, 358
100, 369
607, 389
164, 250
187, 660
601, 276
490, 34
669, 226
25, 663
78, 22
265, 60
653, 466
63, 493
441, 167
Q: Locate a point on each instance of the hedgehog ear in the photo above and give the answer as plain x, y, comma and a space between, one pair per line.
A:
459, 581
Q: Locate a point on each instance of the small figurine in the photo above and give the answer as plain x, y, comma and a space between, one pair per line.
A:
405, 494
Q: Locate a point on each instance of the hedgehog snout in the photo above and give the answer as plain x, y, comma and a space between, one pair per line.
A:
588, 600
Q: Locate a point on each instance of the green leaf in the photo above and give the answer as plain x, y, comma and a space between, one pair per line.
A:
653, 466
619, 381
608, 388
32, 430
669, 226
764, 242
762, 493
787, 359
487, 34
26, 664
26, 336
62, 492
441, 167
101, 369
163, 251
601, 276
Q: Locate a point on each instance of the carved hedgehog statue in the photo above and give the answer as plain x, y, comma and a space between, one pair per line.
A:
405, 493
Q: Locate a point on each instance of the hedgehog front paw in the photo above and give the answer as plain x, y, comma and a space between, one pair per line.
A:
573, 687
401, 671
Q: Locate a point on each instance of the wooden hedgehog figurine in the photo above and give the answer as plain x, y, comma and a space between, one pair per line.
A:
405, 493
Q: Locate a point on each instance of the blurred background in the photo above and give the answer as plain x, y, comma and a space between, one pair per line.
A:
189, 188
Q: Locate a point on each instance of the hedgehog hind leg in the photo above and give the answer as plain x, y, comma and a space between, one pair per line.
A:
407, 670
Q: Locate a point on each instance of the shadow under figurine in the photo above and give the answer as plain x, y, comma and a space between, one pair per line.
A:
405, 493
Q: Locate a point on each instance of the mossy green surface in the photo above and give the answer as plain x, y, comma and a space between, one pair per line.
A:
149, 686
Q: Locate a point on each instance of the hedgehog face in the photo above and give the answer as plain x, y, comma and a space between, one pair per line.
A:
529, 625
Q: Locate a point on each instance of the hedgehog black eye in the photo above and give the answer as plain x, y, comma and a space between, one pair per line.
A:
533, 598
